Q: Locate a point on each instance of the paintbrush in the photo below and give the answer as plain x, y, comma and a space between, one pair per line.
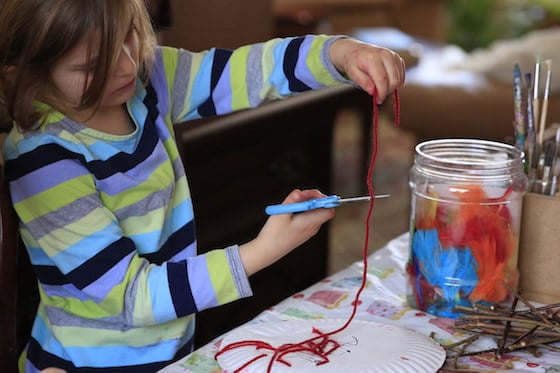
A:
530, 133
544, 109
518, 115
555, 165
549, 148
536, 92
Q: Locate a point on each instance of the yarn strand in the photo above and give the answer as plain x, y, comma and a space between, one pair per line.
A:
322, 345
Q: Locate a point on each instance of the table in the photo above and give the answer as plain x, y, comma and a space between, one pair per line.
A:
383, 300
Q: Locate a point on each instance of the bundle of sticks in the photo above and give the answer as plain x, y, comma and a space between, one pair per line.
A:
513, 329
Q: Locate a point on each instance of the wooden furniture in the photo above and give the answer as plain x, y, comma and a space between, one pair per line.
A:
160, 12
240, 163
201, 24
18, 287
421, 18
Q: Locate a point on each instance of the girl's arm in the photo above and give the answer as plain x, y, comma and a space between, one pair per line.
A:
221, 81
112, 253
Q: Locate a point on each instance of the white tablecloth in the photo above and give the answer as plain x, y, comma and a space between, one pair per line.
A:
383, 300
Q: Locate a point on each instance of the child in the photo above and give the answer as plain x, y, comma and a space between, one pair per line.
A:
98, 184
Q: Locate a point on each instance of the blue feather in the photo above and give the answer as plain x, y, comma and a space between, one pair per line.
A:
450, 271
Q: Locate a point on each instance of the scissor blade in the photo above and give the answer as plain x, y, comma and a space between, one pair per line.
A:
364, 198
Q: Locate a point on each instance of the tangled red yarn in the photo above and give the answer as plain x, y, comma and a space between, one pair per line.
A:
322, 345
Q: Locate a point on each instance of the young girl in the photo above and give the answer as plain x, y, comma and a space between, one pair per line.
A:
98, 184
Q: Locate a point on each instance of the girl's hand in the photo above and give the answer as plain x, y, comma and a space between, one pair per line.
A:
283, 233
373, 68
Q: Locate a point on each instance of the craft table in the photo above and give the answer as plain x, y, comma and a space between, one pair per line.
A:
382, 301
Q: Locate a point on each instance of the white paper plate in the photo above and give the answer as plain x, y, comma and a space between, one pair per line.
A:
364, 347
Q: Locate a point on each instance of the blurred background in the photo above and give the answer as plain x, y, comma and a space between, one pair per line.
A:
459, 55
467, 23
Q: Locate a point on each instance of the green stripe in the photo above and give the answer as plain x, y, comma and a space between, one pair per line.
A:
54, 198
137, 337
238, 81
222, 281
314, 62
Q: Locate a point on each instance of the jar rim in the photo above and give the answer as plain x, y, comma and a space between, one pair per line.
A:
432, 150
469, 160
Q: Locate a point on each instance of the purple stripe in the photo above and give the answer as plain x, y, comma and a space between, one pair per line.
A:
222, 92
119, 182
302, 71
199, 277
41, 179
98, 290
188, 252
159, 82
65, 291
103, 286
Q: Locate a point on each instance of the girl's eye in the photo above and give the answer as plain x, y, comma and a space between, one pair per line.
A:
86, 68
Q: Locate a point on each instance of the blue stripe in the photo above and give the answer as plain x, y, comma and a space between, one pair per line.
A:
201, 85
136, 174
42, 359
40, 157
38, 256
221, 58
161, 302
222, 94
290, 63
174, 244
101, 263
65, 170
73, 256
182, 212
181, 294
122, 162
105, 149
89, 271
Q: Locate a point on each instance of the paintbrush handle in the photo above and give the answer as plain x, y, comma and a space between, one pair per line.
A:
536, 111
543, 120
553, 185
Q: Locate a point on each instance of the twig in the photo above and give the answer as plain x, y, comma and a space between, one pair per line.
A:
528, 329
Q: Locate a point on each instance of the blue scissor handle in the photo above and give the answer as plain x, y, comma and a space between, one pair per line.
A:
311, 204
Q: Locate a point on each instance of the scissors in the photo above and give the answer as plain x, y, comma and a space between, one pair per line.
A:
316, 203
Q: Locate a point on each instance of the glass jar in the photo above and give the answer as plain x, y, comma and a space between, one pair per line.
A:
465, 221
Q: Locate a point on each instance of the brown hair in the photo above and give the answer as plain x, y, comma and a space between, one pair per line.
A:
35, 34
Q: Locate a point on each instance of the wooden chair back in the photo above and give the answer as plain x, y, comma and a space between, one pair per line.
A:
18, 285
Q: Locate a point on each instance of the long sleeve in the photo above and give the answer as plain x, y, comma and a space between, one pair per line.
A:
220, 81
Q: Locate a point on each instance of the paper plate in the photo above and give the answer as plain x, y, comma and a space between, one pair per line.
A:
365, 346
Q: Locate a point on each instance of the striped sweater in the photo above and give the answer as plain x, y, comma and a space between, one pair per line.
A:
108, 220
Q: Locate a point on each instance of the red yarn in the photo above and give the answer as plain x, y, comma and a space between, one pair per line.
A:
321, 345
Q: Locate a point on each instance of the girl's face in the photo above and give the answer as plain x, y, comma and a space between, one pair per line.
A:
73, 73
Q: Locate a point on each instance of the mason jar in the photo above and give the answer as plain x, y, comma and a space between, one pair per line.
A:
464, 224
